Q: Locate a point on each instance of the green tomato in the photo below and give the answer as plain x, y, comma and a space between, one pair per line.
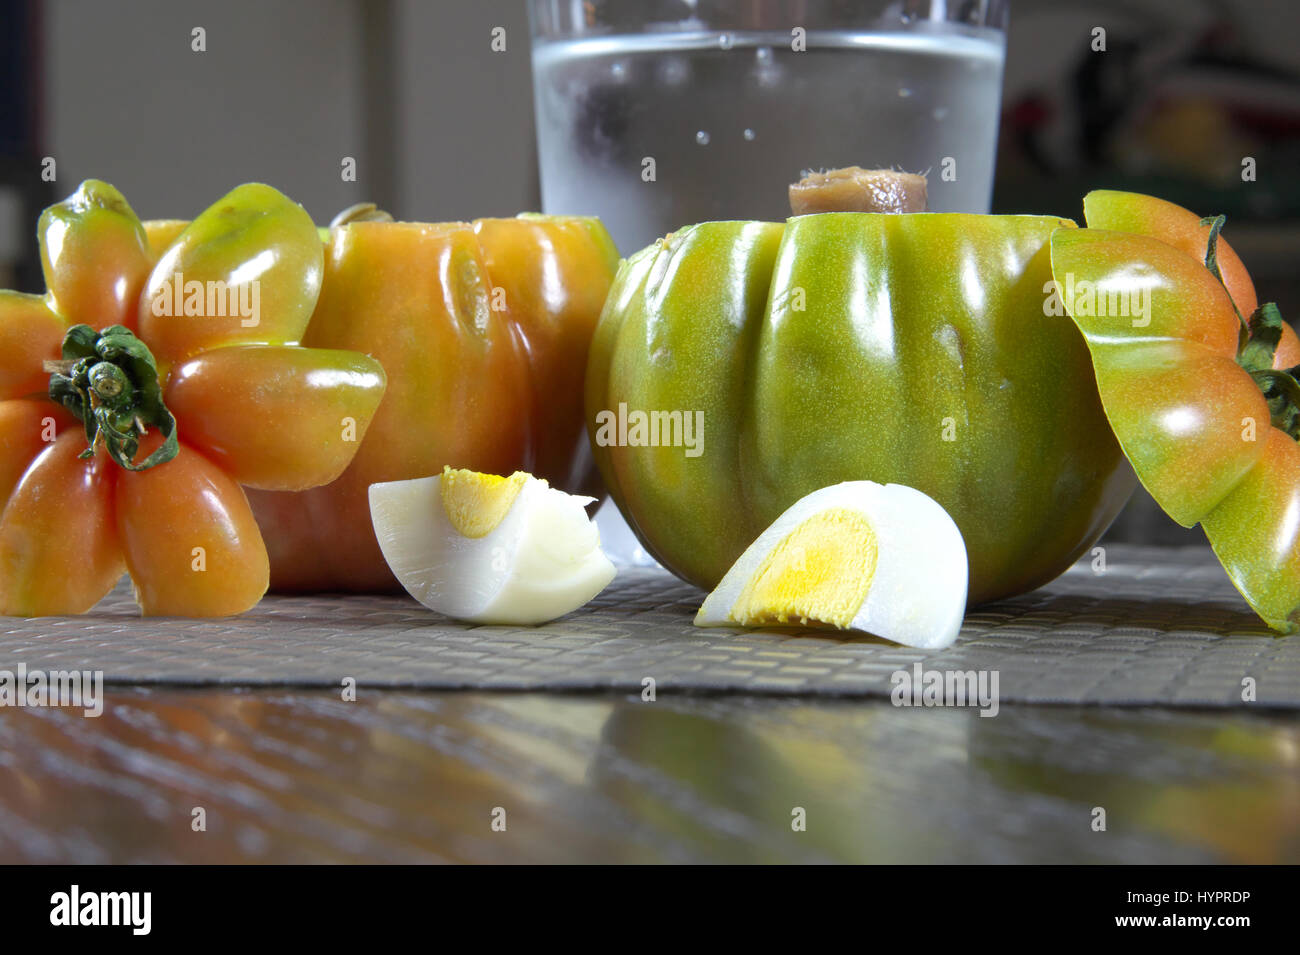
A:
912, 349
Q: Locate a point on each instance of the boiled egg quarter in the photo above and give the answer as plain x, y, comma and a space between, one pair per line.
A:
883, 559
490, 549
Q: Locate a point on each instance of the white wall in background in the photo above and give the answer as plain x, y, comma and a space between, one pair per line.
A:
465, 113
279, 96
275, 98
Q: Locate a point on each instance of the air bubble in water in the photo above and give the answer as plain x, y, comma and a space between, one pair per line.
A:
749, 135
904, 92
764, 54
618, 71
673, 71
725, 40
702, 138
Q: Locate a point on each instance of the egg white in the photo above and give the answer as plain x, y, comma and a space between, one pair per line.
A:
540, 562
917, 595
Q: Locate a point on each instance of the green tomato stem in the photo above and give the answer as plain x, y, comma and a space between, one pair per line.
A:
1257, 342
361, 212
109, 380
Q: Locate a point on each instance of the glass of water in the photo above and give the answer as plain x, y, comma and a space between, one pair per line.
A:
656, 114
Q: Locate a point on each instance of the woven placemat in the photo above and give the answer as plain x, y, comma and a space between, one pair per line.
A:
1159, 626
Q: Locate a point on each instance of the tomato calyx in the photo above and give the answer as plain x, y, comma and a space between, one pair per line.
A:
109, 380
1281, 386
1257, 342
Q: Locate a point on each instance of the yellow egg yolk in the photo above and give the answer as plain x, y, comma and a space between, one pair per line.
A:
821, 571
476, 503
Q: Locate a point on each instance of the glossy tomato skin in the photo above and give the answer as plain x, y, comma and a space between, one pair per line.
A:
1193, 421
1172, 224
161, 233
1253, 531
59, 548
263, 250
554, 273
911, 349
95, 254
263, 411
482, 329
30, 335
27, 427
190, 541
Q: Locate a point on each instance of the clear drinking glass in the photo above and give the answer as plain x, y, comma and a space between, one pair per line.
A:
660, 113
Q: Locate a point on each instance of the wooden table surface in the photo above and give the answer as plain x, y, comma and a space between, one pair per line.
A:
302, 776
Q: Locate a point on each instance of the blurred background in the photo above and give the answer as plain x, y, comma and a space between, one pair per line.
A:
439, 124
